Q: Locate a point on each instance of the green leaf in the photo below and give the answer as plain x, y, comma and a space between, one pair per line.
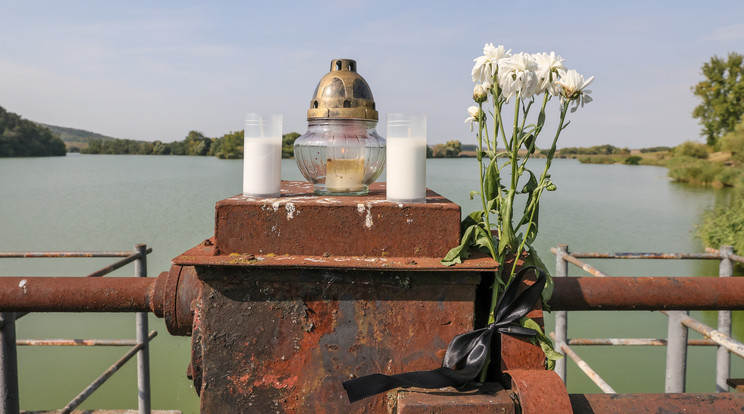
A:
457, 254
541, 119
531, 183
483, 240
492, 180
545, 343
533, 259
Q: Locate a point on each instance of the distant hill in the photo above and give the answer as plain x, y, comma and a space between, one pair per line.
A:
75, 135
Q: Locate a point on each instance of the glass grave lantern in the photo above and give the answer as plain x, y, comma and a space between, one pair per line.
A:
341, 152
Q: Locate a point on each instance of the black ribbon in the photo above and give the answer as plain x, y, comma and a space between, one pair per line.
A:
467, 353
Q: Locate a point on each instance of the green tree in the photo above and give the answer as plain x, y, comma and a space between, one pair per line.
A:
288, 144
22, 138
228, 146
451, 149
722, 95
733, 142
196, 143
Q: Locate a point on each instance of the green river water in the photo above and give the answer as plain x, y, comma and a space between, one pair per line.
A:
110, 202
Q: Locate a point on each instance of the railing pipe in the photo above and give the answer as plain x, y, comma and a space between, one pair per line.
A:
601, 383
723, 358
561, 317
732, 257
8, 365
32, 255
143, 356
666, 256
676, 359
121, 263
584, 266
103, 377
76, 342
635, 342
724, 340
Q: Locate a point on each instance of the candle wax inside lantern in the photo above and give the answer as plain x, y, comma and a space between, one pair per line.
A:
344, 175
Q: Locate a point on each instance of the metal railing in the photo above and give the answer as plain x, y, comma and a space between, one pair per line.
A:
679, 322
9, 398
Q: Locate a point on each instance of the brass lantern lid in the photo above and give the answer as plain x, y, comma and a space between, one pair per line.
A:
342, 94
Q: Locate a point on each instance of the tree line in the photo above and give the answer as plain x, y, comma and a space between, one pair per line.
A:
22, 138
228, 146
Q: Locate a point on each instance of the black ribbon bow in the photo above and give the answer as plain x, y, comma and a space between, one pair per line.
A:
466, 353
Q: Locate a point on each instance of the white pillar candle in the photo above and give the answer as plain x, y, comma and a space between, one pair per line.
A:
262, 155
406, 158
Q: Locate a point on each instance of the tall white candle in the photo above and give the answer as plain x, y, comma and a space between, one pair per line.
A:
406, 158
262, 155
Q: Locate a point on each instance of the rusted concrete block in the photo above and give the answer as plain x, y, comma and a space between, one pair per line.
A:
301, 223
284, 340
491, 398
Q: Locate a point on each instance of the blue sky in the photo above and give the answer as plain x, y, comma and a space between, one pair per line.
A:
156, 70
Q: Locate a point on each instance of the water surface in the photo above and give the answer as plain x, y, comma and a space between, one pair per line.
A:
111, 202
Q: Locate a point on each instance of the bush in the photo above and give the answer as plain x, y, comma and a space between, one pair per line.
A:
724, 225
693, 170
633, 160
597, 160
728, 176
691, 149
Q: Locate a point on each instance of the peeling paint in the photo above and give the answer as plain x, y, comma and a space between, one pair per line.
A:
291, 209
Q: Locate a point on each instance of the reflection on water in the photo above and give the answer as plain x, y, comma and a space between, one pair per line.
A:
113, 202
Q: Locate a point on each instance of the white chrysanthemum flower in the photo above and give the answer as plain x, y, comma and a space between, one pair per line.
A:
474, 113
479, 93
547, 65
517, 76
486, 66
572, 87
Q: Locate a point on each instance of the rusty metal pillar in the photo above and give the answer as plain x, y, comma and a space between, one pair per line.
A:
302, 292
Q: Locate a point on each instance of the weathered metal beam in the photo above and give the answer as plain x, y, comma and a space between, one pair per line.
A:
648, 293
657, 403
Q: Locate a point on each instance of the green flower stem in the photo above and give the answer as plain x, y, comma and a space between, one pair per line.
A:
540, 187
486, 213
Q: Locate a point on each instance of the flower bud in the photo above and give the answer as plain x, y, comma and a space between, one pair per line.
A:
479, 94
551, 187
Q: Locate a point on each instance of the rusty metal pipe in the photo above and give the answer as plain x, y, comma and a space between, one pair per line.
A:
169, 296
64, 254
622, 255
657, 403
648, 293
76, 294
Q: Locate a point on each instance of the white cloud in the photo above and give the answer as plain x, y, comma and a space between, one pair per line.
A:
728, 33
